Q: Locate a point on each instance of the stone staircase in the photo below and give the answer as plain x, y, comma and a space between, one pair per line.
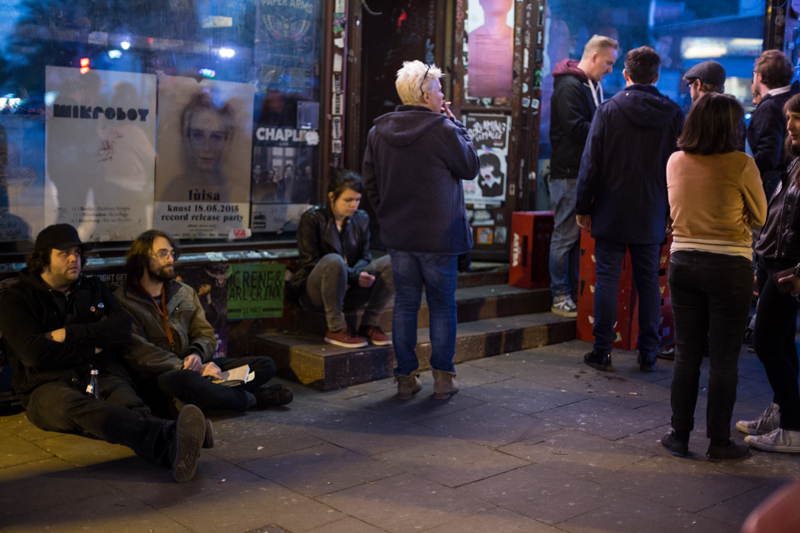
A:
493, 319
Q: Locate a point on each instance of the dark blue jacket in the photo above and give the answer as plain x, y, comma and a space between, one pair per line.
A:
413, 167
622, 182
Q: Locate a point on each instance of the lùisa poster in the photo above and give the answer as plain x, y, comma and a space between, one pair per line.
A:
489, 134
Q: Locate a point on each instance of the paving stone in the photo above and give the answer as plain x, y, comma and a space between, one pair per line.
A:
764, 468
575, 452
347, 525
320, 470
746, 388
488, 425
405, 504
155, 486
252, 507
237, 441
113, 512
421, 407
650, 443
45, 484
473, 376
522, 396
736, 510
603, 419
542, 493
636, 515
14, 450
495, 520
685, 485
19, 426
84, 451
616, 388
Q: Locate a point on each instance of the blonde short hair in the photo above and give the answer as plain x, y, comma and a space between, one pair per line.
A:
411, 77
598, 43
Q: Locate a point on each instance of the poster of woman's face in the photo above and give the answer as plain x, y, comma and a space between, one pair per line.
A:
204, 140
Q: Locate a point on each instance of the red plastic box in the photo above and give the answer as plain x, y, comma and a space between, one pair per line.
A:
530, 249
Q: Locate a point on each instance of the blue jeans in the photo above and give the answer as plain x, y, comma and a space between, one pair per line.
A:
565, 241
438, 273
645, 263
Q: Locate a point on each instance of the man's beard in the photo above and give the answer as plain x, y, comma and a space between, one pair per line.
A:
162, 274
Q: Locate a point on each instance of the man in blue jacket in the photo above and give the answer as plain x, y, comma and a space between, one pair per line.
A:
415, 161
622, 200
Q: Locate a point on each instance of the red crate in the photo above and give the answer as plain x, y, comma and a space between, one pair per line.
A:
530, 249
626, 329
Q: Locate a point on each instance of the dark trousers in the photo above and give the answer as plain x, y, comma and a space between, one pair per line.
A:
191, 387
773, 340
644, 260
711, 295
119, 417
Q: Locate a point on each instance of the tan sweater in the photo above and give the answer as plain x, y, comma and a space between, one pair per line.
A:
714, 201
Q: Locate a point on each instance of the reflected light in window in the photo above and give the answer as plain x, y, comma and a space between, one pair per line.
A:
208, 73
226, 53
125, 45
84, 65
50, 98
114, 54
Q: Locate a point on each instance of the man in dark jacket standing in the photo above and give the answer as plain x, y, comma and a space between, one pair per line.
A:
576, 94
414, 164
622, 200
772, 79
58, 327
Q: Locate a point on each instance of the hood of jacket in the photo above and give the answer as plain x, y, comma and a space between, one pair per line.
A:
569, 66
406, 124
645, 107
25, 276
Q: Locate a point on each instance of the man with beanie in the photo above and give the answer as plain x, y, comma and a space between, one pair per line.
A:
576, 94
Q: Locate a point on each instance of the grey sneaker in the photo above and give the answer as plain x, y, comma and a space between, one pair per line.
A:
564, 306
780, 440
768, 421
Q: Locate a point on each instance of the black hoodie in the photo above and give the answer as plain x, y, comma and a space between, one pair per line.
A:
622, 182
91, 316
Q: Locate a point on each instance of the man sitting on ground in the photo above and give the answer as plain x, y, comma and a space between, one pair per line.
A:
173, 344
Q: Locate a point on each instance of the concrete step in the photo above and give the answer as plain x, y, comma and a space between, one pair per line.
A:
473, 303
311, 361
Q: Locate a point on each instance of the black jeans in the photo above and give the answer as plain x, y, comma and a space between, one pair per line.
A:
773, 340
191, 387
119, 417
711, 294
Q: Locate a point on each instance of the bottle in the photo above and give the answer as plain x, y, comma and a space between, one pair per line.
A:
93, 389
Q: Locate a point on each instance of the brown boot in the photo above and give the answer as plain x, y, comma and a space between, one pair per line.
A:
444, 384
407, 386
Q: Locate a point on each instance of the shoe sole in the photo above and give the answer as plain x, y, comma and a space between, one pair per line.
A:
443, 395
772, 447
409, 395
602, 368
382, 343
724, 459
647, 368
190, 432
747, 431
566, 314
345, 345
676, 454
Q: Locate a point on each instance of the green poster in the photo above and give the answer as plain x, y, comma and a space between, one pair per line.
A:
255, 290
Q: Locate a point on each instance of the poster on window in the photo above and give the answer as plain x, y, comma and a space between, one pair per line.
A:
285, 45
490, 44
489, 134
255, 290
205, 130
100, 152
21, 177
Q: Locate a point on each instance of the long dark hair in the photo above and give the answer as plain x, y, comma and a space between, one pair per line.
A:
712, 126
138, 255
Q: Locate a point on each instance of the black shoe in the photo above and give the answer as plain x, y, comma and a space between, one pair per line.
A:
273, 396
730, 452
666, 352
674, 446
646, 366
208, 441
599, 362
184, 450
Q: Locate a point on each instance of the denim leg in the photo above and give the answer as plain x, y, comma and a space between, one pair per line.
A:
440, 273
645, 263
326, 287
564, 243
609, 256
407, 275
382, 290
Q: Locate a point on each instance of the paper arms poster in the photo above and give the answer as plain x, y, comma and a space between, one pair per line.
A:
489, 134
100, 152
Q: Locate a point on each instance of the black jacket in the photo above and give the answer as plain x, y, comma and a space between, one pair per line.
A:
623, 178
766, 133
317, 236
413, 169
91, 316
571, 111
788, 230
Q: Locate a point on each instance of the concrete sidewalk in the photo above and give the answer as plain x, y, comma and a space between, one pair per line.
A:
535, 441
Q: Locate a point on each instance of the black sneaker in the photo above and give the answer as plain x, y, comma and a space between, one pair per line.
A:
730, 452
273, 396
184, 450
599, 362
646, 366
674, 446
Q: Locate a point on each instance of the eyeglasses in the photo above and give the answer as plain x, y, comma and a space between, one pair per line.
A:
423, 81
163, 253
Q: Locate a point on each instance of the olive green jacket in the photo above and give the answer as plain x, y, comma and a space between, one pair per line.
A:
149, 352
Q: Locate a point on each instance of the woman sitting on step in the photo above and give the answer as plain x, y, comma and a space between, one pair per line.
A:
336, 268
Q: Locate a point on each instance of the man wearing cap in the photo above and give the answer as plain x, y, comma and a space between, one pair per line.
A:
706, 78
772, 79
57, 327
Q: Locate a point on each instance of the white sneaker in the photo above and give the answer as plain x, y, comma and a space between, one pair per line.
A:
768, 421
564, 307
780, 440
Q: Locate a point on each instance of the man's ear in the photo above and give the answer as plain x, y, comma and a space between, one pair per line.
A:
625, 75
658, 75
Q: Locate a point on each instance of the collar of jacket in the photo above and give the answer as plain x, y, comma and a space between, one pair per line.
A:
652, 89
330, 227
39, 283
136, 290
408, 107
